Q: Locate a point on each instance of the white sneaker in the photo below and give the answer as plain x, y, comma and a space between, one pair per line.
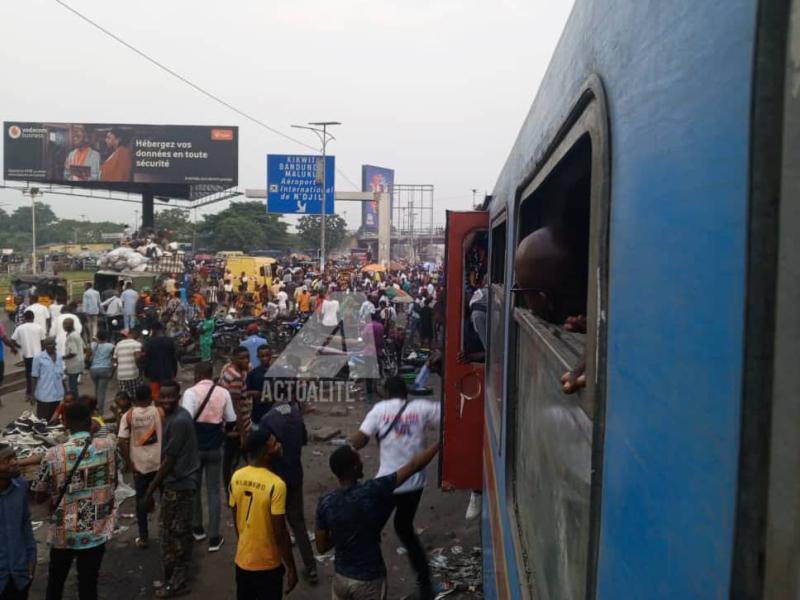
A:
474, 508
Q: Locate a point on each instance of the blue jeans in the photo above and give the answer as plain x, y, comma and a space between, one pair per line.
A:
211, 469
101, 377
129, 321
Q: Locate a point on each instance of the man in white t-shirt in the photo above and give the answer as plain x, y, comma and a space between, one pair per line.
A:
40, 312
57, 327
282, 298
55, 310
29, 337
399, 425
126, 353
330, 313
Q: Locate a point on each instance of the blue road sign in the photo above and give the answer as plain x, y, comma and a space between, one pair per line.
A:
292, 187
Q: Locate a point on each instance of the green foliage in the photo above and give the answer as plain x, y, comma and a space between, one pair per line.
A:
15, 229
308, 230
176, 221
243, 226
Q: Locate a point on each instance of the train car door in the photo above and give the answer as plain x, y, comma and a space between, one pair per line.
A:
466, 264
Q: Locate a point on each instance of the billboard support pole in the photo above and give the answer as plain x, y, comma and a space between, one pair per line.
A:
148, 210
384, 227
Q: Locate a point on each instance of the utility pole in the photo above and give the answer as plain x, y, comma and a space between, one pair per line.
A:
33, 192
321, 129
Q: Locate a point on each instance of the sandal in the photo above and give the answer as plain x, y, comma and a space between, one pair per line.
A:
170, 592
142, 543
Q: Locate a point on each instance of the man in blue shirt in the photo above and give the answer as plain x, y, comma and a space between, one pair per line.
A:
17, 545
91, 306
253, 342
47, 377
129, 299
352, 517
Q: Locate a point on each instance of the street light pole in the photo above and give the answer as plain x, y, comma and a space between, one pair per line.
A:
33, 192
324, 136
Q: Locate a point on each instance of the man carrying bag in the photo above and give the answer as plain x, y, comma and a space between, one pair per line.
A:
212, 410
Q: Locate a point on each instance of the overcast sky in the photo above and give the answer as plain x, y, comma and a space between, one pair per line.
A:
436, 89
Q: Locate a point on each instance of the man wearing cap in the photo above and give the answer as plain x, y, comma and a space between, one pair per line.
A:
253, 342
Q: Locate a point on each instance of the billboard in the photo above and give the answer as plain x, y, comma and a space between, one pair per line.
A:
374, 179
292, 185
121, 156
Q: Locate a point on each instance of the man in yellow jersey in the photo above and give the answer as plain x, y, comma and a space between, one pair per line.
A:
258, 500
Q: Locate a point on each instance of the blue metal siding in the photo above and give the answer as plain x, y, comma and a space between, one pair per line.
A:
677, 77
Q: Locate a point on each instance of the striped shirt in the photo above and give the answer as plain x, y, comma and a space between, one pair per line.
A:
125, 355
233, 380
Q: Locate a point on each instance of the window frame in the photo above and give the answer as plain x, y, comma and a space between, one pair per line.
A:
497, 409
588, 115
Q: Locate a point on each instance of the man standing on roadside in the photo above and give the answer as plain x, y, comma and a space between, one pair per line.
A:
258, 499
18, 561
74, 351
47, 378
233, 378
29, 338
285, 421
127, 354
211, 408
129, 299
351, 518
398, 424
253, 342
91, 307
57, 329
41, 313
177, 477
160, 358
82, 516
140, 433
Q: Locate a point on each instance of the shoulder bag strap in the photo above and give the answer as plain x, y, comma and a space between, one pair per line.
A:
399, 414
203, 405
72, 472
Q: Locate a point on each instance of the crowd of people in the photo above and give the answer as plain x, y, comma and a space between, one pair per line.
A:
218, 431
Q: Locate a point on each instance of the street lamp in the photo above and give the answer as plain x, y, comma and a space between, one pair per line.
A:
321, 129
33, 192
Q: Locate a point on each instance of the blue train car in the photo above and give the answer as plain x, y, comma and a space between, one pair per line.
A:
665, 138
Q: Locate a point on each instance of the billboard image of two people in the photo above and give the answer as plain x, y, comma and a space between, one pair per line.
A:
374, 179
83, 153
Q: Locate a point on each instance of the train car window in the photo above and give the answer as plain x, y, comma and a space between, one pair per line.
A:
498, 254
476, 264
556, 332
495, 356
552, 258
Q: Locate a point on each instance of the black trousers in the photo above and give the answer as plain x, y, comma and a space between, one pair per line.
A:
12, 593
405, 511
259, 585
141, 482
295, 515
88, 569
231, 453
28, 380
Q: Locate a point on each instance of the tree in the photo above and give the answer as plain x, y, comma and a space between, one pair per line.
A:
244, 226
308, 230
176, 221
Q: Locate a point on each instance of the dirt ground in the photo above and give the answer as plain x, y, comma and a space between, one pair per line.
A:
128, 572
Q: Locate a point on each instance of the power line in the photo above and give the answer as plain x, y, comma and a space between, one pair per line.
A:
193, 85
